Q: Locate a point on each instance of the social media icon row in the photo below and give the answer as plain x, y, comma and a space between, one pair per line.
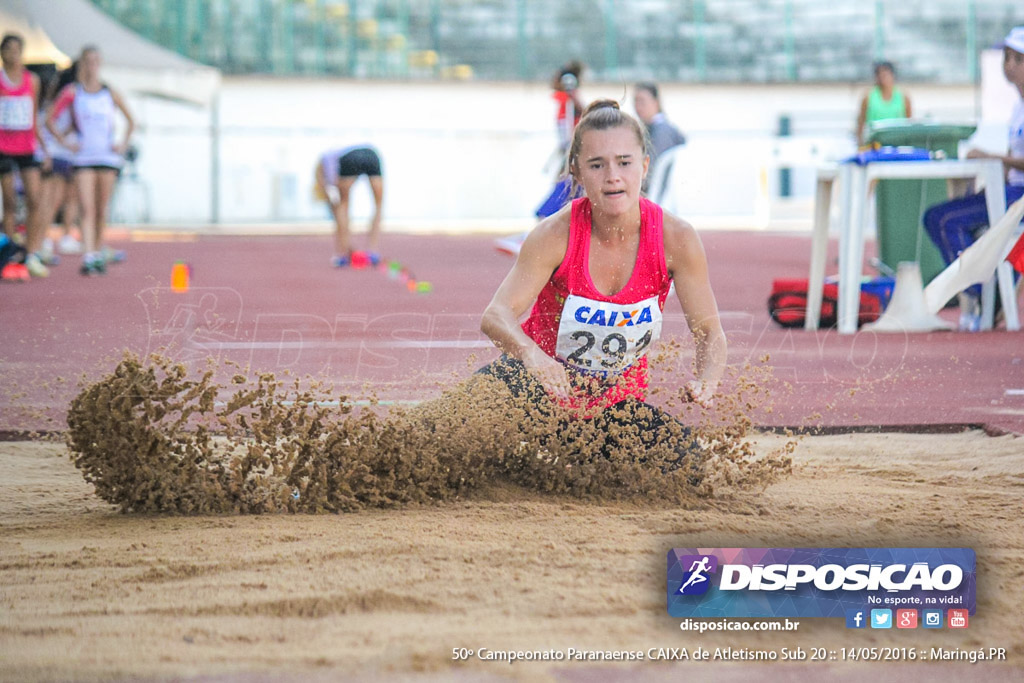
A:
905, 618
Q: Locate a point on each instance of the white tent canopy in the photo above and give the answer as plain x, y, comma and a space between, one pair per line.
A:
57, 30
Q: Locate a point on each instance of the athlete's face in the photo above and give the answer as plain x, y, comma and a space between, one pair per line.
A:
885, 78
89, 65
611, 167
11, 53
645, 104
1013, 66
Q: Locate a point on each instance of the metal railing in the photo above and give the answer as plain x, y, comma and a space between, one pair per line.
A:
669, 40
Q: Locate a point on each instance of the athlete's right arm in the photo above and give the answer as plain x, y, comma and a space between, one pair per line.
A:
64, 99
539, 258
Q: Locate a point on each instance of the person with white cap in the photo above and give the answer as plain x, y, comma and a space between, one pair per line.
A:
956, 224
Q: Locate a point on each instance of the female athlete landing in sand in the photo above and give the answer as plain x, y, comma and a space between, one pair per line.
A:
597, 274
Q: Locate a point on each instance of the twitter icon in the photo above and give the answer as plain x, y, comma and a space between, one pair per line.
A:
881, 618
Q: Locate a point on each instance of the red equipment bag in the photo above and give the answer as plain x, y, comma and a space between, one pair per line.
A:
788, 304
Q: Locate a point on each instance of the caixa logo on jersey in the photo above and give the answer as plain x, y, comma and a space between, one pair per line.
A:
816, 582
603, 318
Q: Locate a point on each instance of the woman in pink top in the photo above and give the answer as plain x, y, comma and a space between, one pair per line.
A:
19, 92
595, 277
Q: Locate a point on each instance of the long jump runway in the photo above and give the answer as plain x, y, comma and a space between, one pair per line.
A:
274, 304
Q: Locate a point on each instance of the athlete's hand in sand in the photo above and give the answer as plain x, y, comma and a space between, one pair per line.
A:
700, 392
549, 372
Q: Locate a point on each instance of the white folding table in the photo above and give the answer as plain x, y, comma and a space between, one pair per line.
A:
855, 187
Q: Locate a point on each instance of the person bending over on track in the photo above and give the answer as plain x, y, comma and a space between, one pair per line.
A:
19, 93
955, 225
97, 159
597, 275
336, 172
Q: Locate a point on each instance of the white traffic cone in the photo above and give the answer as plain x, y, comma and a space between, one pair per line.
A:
907, 311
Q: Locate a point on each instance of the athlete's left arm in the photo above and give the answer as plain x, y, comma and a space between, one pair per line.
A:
688, 266
119, 102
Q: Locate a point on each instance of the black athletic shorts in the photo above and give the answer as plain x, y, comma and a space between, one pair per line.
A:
97, 167
653, 425
9, 162
360, 161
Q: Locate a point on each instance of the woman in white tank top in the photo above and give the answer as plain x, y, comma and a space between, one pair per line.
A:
98, 157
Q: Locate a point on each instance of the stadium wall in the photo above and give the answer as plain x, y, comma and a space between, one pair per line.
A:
466, 156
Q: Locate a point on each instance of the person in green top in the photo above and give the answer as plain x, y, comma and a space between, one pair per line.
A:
885, 101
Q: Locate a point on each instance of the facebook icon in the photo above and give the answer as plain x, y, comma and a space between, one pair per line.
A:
856, 618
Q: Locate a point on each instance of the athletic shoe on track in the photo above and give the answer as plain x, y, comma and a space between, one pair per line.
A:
341, 261
374, 257
69, 246
35, 266
93, 264
112, 255
47, 255
970, 313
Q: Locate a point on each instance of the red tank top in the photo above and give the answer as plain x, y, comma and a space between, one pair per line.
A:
604, 336
17, 122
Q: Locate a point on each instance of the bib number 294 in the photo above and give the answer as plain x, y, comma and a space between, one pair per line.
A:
606, 337
614, 347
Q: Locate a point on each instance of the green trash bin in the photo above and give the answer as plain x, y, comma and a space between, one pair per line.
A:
901, 203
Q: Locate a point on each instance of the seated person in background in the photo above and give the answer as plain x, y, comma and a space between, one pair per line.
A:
954, 225
663, 135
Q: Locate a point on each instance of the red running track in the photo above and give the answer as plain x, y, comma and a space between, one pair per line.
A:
275, 304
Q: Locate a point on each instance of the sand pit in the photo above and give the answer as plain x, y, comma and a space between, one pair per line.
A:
89, 593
